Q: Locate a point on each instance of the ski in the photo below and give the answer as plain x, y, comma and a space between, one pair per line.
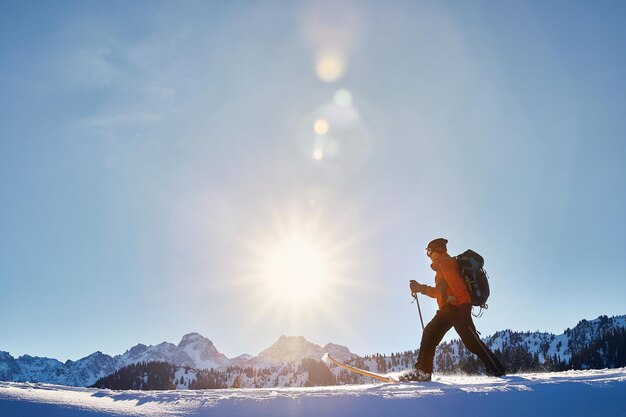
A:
327, 358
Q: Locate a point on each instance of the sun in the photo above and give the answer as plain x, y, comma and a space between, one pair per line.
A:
297, 272
294, 271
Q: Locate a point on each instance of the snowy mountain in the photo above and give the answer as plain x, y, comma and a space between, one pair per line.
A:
8, 367
291, 361
92, 367
297, 348
32, 368
202, 352
193, 352
242, 361
537, 350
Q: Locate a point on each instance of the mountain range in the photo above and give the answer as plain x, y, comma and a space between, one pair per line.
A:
288, 361
193, 351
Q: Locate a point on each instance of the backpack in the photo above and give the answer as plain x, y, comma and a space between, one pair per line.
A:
471, 269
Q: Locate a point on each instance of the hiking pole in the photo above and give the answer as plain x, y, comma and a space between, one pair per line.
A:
419, 310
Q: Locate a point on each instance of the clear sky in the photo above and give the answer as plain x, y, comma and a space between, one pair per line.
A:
250, 169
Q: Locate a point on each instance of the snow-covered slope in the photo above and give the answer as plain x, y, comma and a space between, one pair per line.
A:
572, 394
91, 368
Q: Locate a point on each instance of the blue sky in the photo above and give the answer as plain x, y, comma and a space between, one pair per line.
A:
155, 155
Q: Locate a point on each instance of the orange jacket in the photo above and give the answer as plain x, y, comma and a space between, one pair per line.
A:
450, 287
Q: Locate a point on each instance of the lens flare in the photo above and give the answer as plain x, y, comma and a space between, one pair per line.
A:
330, 67
318, 154
321, 126
342, 98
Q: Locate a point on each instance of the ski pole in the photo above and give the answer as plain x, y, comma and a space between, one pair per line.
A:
419, 310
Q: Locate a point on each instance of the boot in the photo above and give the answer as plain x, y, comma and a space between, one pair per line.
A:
415, 375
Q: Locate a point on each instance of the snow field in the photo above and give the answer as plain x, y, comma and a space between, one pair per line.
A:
574, 393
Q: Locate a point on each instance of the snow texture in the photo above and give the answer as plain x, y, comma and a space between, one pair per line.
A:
574, 393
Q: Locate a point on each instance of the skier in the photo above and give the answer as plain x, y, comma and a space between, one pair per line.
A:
455, 310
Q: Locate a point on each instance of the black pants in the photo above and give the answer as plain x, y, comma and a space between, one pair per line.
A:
461, 318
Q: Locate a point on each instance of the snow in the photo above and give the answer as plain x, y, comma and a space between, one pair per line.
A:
186, 375
573, 393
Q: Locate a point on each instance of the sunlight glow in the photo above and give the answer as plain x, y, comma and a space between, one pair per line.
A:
318, 154
294, 271
300, 272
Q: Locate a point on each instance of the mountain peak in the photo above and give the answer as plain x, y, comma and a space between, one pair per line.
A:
136, 350
338, 351
192, 338
291, 349
202, 351
292, 339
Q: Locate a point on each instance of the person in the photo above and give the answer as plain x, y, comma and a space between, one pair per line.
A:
455, 310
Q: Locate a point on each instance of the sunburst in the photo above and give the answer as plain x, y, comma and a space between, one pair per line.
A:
299, 272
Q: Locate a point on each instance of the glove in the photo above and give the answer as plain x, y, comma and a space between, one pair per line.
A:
416, 286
